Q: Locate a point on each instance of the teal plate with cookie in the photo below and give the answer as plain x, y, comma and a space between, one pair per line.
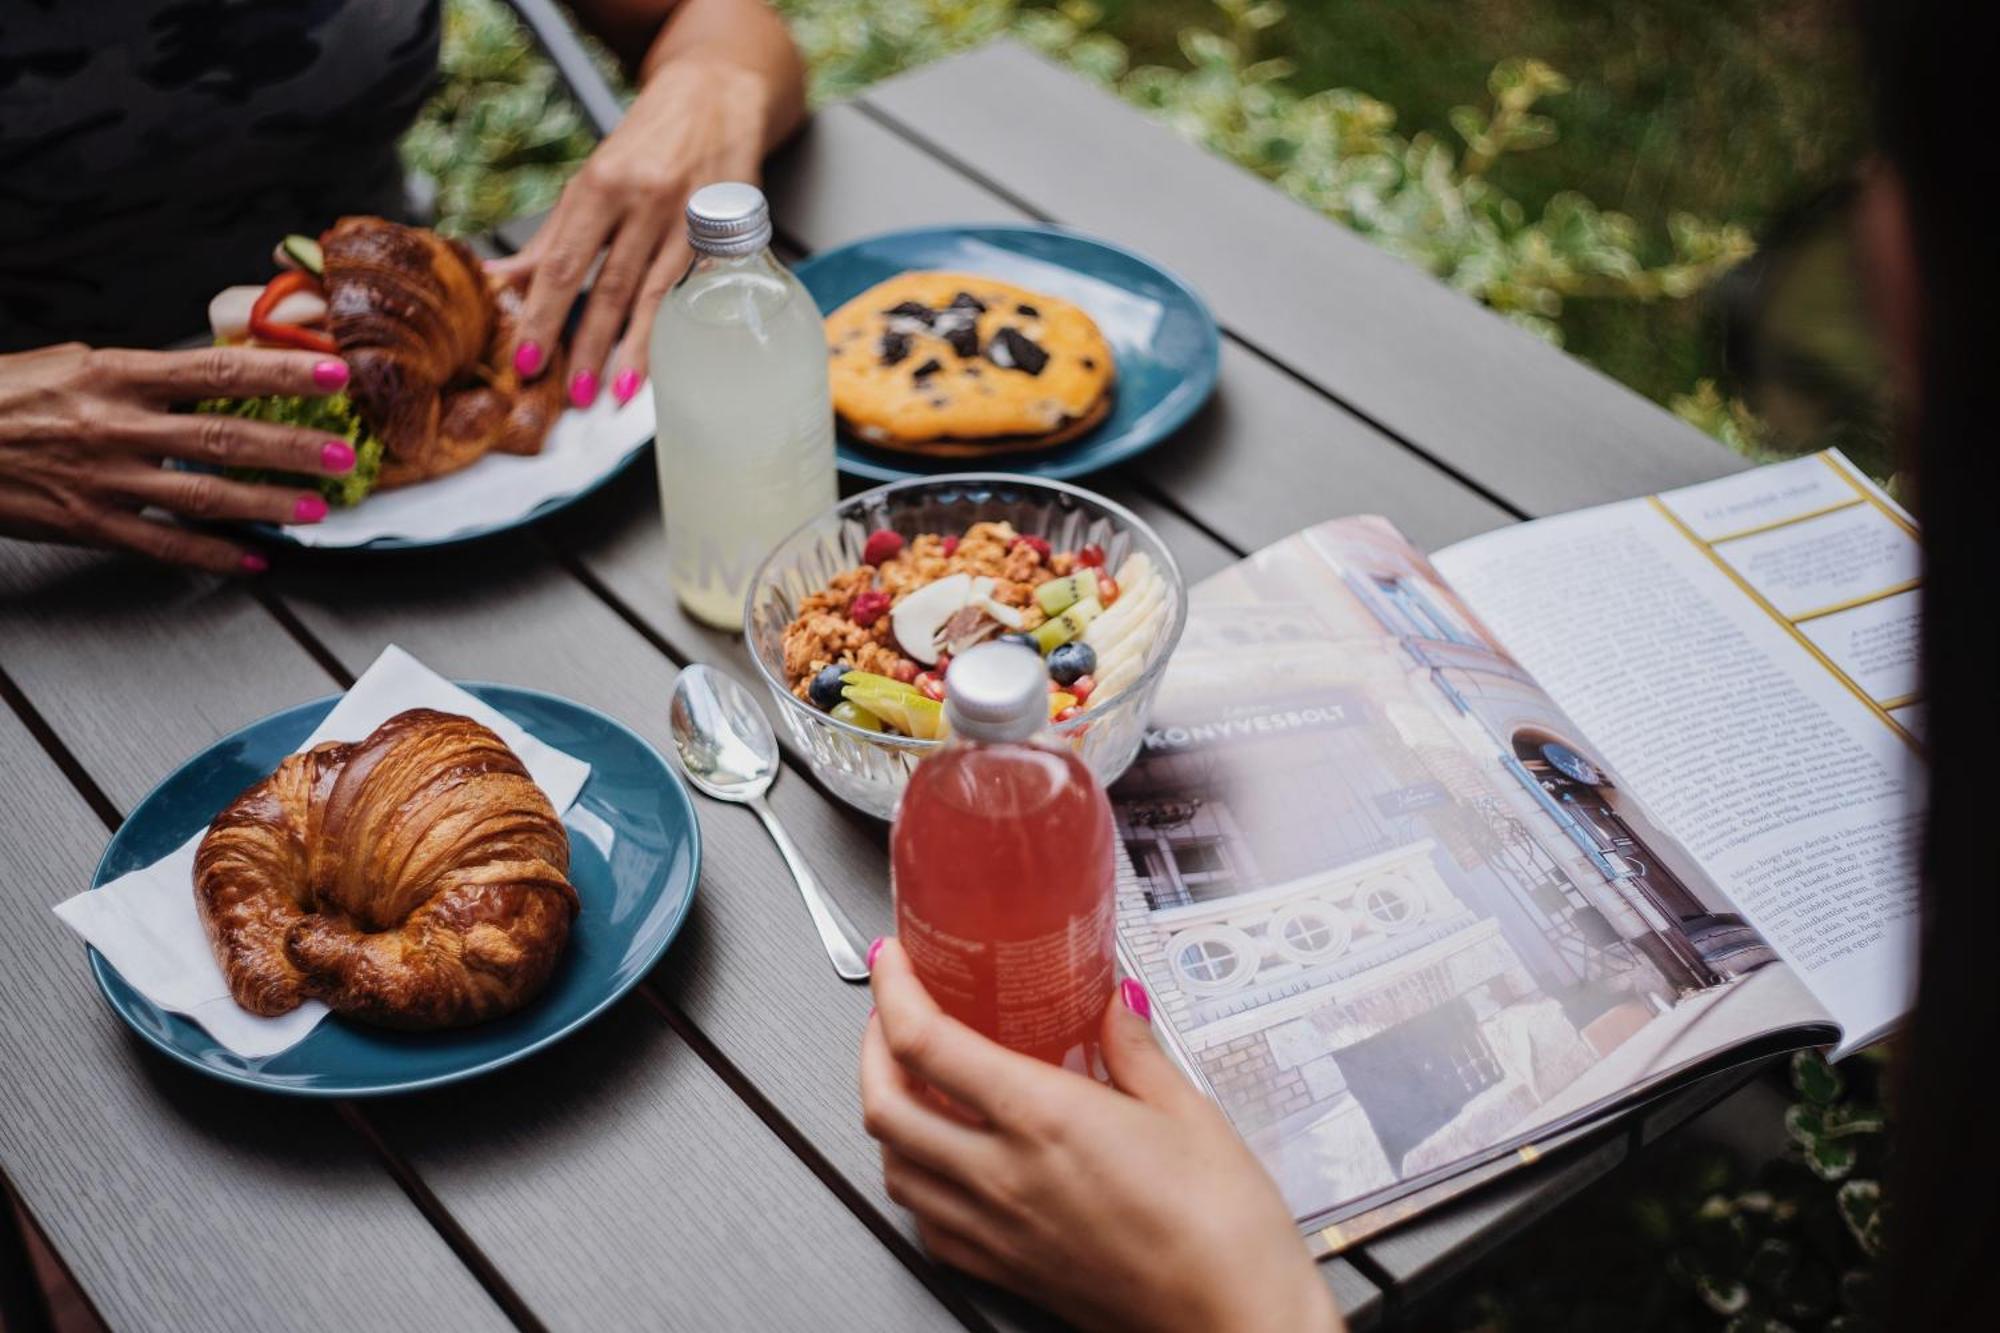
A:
1163, 337
635, 853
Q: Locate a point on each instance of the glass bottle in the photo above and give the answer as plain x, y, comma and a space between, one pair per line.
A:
745, 420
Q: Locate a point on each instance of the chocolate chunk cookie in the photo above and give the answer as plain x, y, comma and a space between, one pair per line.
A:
956, 364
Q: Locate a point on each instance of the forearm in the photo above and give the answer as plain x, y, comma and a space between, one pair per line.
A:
650, 36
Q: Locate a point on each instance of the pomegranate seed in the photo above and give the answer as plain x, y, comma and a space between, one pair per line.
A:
868, 607
1107, 589
1082, 686
882, 546
905, 670
931, 686
1067, 713
950, 547
1091, 557
943, 665
1035, 544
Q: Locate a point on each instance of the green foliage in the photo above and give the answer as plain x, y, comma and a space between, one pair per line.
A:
1692, 1237
501, 138
501, 135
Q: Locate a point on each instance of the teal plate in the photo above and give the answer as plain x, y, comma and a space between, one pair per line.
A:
635, 852
1165, 340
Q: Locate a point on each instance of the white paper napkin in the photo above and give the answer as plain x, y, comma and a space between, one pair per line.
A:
582, 448
145, 922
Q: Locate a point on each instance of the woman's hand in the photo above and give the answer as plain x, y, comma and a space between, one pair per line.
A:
83, 432
1134, 1206
695, 122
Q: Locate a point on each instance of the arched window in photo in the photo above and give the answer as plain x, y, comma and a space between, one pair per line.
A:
1391, 903
1311, 932
1209, 960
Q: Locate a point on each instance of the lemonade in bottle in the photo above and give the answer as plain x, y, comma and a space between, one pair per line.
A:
745, 419
1002, 858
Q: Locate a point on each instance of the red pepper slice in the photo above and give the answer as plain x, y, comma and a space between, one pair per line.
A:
291, 335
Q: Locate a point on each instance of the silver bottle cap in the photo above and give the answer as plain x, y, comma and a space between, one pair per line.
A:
728, 218
997, 692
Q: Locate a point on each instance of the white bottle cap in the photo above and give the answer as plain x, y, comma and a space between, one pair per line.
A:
728, 218
997, 692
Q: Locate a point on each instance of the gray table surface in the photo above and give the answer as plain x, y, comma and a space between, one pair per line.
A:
694, 1159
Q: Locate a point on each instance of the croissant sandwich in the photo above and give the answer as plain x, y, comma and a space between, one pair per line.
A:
415, 879
426, 336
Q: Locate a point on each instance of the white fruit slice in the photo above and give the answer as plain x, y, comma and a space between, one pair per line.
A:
1133, 605
921, 614
229, 310
982, 597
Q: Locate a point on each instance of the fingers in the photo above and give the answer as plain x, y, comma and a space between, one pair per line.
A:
896, 1113
205, 495
968, 1256
610, 304
938, 1049
224, 441
1137, 1065
216, 372
576, 232
935, 1199
167, 543
627, 370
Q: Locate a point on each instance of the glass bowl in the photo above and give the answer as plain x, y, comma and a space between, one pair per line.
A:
868, 769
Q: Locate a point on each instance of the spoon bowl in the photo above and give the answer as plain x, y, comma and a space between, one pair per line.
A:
728, 751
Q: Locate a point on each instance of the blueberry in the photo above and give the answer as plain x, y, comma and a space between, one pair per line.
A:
1025, 640
827, 685
1072, 661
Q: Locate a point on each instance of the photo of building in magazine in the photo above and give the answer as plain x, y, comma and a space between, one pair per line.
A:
1395, 907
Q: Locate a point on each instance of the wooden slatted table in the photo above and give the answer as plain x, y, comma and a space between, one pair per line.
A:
695, 1159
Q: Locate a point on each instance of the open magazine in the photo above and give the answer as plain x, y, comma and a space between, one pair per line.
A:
1430, 862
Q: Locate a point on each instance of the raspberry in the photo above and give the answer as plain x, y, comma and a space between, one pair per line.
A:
882, 546
1035, 544
1091, 557
868, 607
950, 547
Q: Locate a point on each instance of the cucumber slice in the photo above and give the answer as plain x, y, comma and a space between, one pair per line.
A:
304, 251
1061, 593
1053, 633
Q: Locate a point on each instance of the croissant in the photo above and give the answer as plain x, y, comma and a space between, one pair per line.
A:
426, 337
414, 879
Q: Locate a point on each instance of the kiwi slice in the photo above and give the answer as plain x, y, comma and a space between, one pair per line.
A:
1060, 593
1056, 631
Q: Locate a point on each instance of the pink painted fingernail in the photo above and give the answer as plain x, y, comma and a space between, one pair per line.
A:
309, 509
252, 563
625, 386
330, 375
583, 388
336, 456
1135, 998
874, 949
528, 358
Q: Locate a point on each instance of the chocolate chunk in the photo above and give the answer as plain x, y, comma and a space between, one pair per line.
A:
927, 369
967, 301
964, 338
895, 346
1013, 350
1028, 310
912, 310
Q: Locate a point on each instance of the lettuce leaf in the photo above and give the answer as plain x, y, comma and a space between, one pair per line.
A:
333, 415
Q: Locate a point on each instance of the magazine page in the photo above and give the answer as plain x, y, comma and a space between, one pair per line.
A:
1366, 888
1745, 652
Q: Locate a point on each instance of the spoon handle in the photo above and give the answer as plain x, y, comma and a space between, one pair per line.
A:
835, 931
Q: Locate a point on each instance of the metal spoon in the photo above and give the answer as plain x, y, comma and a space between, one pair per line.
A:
728, 751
